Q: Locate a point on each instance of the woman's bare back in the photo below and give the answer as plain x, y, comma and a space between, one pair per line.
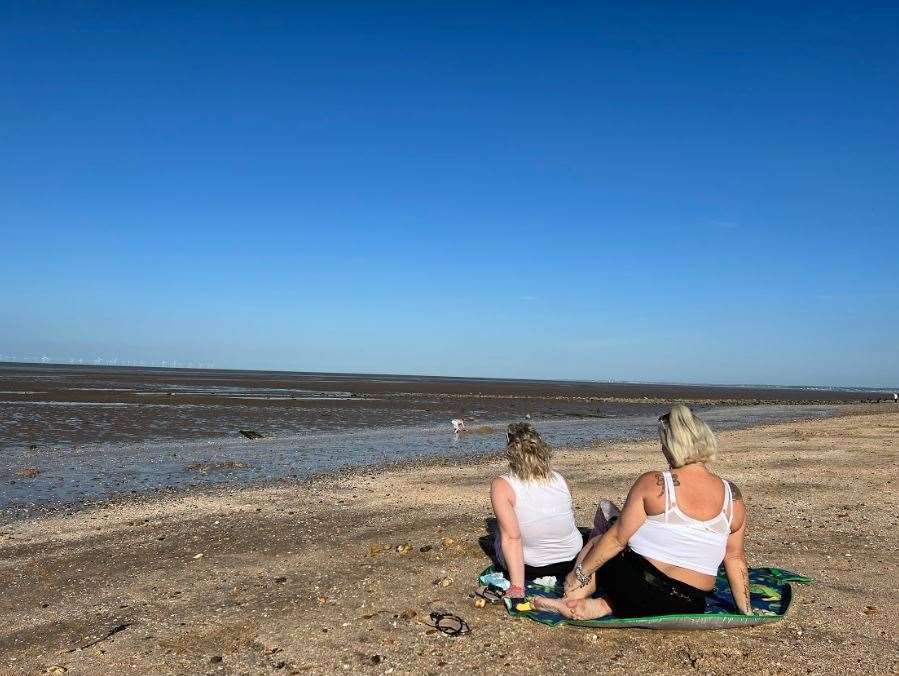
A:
699, 494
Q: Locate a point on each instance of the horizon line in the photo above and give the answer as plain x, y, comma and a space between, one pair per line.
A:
847, 388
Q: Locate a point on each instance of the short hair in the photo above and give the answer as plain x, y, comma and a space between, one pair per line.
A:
686, 438
528, 454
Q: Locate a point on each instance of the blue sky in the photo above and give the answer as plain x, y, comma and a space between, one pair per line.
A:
694, 192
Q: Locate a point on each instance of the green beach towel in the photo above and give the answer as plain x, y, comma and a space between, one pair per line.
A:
769, 588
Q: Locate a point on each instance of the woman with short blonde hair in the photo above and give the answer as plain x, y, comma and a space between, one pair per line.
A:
537, 532
686, 438
662, 553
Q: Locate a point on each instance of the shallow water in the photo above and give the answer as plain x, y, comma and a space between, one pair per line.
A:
74, 474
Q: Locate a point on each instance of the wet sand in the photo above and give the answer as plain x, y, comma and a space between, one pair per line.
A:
50, 478
76, 434
305, 577
44, 404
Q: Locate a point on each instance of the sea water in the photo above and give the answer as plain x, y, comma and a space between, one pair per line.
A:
89, 472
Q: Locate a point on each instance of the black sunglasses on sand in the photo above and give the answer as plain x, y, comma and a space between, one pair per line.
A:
449, 624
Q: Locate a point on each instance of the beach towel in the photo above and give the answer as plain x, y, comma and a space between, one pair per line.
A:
769, 588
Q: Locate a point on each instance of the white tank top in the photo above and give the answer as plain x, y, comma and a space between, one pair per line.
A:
545, 514
675, 538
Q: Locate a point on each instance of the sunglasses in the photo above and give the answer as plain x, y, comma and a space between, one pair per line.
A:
449, 624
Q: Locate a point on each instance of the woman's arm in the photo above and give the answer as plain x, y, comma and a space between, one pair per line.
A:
502, 497
735, 557
615, 539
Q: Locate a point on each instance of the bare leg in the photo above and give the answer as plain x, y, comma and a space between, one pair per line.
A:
587, 609
552, 606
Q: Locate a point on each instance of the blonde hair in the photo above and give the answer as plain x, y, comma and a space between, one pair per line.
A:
686, 438
528, 454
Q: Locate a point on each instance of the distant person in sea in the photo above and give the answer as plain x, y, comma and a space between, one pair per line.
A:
458, 425
661, 555
537, 532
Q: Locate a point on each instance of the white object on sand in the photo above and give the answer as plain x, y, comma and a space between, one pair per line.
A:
545, 581
458, 425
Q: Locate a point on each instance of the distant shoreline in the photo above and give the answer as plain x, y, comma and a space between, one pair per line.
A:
188, 370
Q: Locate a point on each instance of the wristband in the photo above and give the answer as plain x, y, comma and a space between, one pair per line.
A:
515, 592
579, 574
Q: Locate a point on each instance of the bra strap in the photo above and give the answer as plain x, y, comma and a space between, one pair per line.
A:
670, 495
728, 508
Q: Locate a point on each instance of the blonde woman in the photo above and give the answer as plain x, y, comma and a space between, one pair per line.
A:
661, 556
537, 532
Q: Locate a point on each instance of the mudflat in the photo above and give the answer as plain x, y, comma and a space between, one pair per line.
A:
314, 576
65, 405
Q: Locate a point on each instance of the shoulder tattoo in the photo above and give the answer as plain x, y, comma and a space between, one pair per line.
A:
735, 491
660, 482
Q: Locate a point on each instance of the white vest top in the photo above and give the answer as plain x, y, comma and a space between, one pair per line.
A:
675, 538
545, 514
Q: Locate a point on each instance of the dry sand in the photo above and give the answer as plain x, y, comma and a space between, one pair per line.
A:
306, 577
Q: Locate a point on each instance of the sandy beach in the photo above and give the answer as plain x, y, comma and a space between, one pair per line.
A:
306, 577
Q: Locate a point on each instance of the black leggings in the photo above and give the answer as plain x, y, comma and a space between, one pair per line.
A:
558, 570
636, 588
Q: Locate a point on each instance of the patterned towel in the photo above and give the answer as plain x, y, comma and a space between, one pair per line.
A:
769, 588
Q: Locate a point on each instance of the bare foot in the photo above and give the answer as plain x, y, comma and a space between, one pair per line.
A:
552, 605
587, 609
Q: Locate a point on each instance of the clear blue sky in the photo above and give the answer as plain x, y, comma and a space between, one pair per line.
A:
691, 191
